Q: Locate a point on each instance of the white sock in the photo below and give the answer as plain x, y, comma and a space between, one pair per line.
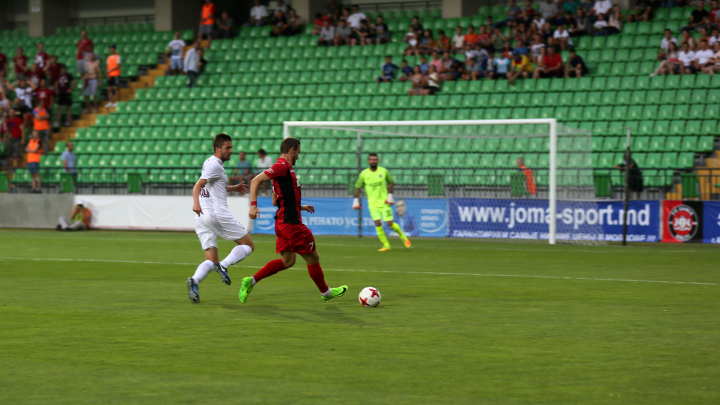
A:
202, 271
253, 281
327, 293
236, 255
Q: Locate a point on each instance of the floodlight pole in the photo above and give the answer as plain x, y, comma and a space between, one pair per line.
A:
626, 200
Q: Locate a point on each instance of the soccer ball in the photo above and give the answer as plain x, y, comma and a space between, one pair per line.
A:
369, 297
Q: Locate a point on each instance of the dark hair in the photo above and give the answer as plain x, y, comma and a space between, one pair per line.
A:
441, 32
289, 143
318, 15
262, 151
372, 155
220, 140
388, 56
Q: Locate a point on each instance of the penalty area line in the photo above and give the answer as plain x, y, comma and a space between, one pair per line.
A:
430, 273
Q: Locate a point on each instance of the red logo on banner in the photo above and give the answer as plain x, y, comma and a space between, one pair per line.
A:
682, 221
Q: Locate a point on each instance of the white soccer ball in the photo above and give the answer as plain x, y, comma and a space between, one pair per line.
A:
369, 297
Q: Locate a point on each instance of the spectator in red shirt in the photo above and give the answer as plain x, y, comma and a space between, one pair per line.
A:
84, 48
15, 136
552, 65
41, 57
35, 74
52, 71
3, 62
44, 94
471, 38
714, 11
63, 87
20, 62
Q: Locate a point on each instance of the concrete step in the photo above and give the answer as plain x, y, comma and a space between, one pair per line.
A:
676, 194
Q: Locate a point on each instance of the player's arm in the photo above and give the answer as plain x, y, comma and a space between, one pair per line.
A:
196, 195
254, 187
274, 199
241, 188
356, 193
390, 200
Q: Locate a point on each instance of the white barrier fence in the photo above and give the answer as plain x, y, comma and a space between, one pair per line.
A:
167, 213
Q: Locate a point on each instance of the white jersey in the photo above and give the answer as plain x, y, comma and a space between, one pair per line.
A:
214, 194
176, 48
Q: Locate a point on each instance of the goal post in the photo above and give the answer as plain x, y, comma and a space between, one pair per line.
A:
466, 129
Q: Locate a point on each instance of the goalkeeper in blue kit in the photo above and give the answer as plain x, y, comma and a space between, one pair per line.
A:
377, 181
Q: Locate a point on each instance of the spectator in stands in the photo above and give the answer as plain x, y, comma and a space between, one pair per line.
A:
528, 8
318, 24
432, 83
697, 17
201, 61
546, 33
363, 35
500, 67
687, 59
521, 48
458, 40
258, 15
52, 71
529, 176
41, 57
68, 161
355, 18
427, 44
175, 51
451, 68
671, 62
470, 38
41, 124
242, 171
686, 37
295, 22
549, 11
537, 23
419, 29
382, 32
35, 74
714, 65
437, 61
485, 40
23, 97
520, 67
388, 71
636, 176
511, 15
418, 81
114, 65
537, 50
575, 66
44, 94
84, 48
614, 20
444, 43
280, 26
4, 108
715, 37
524, 20
15, 136
642, 11
80, 217
207, 21
327, 34
3, 63
472, 70
34, 150
577, 27
411, 38
600, 26
264, 162
665, 44
20, 63
191, 63
63, 87
703, 56
714, 11
506, 50
552, 65
91, 79
600, 7
225, 25
571, 6
406, 71
333, 10
343, 34
424, 66
562, 37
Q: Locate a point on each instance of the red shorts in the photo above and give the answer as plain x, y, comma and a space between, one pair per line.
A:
294, 238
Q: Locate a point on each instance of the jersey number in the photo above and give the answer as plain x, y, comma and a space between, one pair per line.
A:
311, 245
204, 193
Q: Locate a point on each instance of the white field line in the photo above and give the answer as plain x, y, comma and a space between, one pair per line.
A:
487, 246
375, 271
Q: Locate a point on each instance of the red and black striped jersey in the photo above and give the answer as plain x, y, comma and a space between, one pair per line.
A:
287, 189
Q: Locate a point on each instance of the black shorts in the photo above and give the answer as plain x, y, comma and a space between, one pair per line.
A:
65, 99
113, 81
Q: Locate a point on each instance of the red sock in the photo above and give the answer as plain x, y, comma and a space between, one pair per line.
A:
318, 277
269, 269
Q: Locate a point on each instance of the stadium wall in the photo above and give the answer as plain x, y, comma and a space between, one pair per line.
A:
167, 213
33, 210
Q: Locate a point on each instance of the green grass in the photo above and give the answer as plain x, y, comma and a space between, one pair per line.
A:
121, 330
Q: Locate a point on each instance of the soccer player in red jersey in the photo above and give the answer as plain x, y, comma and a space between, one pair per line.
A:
293, 237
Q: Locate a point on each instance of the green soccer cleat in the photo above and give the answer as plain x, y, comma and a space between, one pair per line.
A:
336, 293
245, 288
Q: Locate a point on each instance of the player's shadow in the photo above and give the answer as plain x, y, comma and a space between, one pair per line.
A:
331, 313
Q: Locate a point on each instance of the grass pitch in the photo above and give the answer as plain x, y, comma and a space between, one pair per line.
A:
103, 318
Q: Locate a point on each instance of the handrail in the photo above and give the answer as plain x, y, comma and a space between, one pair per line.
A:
113, 20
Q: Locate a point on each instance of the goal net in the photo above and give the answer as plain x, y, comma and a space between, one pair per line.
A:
511, 180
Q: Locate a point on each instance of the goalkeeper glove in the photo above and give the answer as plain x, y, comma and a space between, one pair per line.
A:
356, 203
390, 200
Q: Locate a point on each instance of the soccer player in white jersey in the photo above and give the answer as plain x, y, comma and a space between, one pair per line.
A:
214, 218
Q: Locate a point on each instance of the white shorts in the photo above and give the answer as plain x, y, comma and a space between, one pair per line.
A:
211, 224
176, 63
